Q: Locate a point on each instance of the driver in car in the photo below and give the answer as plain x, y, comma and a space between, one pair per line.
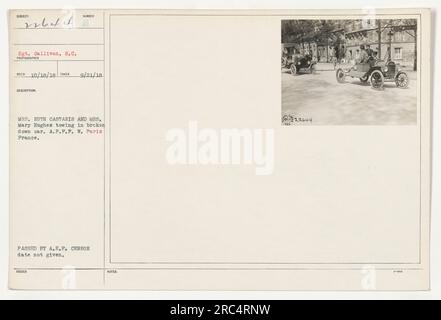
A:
296, 56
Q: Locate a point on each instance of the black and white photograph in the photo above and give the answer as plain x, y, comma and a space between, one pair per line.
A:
349, 72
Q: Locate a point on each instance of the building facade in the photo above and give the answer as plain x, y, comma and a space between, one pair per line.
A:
397, 41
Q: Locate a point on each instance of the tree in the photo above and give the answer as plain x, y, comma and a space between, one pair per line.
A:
402, 25
310, 31
410, 27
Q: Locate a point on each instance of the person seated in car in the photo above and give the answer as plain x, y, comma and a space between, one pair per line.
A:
363, 58
369, 51
308, 56
296, 56
375, 56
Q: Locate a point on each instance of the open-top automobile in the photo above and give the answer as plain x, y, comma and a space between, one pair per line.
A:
376, 73
299, 64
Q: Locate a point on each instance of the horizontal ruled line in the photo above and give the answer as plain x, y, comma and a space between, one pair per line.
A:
49, 28
214, 269
31, 77
36, 60
262, 263
58, 44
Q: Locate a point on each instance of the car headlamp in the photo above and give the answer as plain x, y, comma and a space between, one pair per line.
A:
385, 69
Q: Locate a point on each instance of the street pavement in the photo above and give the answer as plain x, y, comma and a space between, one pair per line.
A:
318, 99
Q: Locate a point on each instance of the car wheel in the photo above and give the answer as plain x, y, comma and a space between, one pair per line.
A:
402, 80
340, 75
364, 79
293, 70
377, 80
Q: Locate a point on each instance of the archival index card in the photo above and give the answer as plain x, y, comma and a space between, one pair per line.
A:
220, 150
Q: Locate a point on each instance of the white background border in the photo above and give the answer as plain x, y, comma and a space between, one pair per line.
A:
5, 293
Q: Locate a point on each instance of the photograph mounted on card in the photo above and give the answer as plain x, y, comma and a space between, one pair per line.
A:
220, 149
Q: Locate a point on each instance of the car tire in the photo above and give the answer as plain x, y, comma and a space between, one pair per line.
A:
293, 69
402, 80
377, 80
364, 79
340, 75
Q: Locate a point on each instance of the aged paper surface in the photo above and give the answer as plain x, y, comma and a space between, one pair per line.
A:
170, 149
